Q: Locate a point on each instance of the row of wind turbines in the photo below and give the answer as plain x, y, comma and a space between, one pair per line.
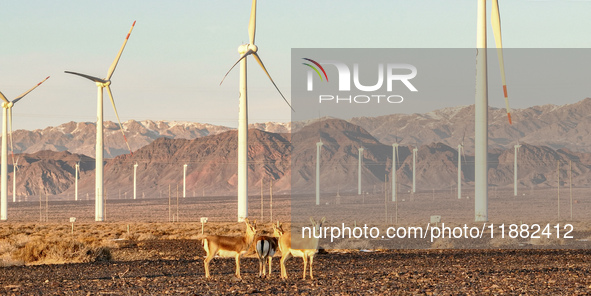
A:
481, 116
244, 50
101, 83
395, 161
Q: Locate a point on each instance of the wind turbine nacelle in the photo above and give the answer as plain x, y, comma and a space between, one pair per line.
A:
244, 48
103, 84
7, 105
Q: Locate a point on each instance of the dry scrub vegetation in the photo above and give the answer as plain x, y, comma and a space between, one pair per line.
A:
49, 243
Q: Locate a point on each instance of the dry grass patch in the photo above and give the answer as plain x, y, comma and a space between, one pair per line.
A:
60, 251
50, 243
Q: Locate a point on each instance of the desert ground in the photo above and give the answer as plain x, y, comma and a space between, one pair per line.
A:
140, 251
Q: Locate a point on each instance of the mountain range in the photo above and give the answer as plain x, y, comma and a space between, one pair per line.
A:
287, 160
567, 126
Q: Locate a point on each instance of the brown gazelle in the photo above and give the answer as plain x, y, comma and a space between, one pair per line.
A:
266, 246
302, 247
229, 246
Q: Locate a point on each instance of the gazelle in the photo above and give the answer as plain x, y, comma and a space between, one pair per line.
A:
266, 247
229, 246
306, 248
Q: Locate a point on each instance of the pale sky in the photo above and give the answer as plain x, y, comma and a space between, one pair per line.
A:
180, 50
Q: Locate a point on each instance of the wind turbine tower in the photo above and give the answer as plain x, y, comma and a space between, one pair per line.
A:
244, 51
414, 161
76, 181
184, 180
14, 169
135, 181
460, 147
481, 105
359, 170
515, 170
394, 160
318, 147
103, 83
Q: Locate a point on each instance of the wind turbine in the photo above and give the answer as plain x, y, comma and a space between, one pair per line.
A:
7, 112
359, 170
135, 181
460, 146
103, 83
76, 184
245, 50
15, 168
394, 160
185, 180
460, 153
318, 147
481, 106
515, 170
414, 160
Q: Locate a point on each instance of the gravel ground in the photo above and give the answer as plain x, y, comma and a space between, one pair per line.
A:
175, 267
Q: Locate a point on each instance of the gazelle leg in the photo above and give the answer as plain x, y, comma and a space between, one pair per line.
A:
311, 261
305, 264
238, 266
206, 263
284, 258
264, 266
261, 266
270, 261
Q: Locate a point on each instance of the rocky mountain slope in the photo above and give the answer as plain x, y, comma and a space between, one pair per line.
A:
289, 161
79, 137
566, 126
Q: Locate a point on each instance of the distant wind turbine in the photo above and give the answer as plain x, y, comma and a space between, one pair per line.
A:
6, 113
245, 50
103, 83
460, 153
14, 169
394, 160
414, 161
515, 170
460, 171
76, 184
481, 106
359, 170
318, 147
185, 180
135, 181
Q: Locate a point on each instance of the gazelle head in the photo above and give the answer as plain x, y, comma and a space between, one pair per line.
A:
278, 229
317, 225
251, 228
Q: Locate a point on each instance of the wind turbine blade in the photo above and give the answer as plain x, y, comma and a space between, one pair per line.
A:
3, 97
118, 120
240, 59
253, 20
10, 125
256, 57
464, 153
464, 136
95, 79
27, 92
114, 65
496, 24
